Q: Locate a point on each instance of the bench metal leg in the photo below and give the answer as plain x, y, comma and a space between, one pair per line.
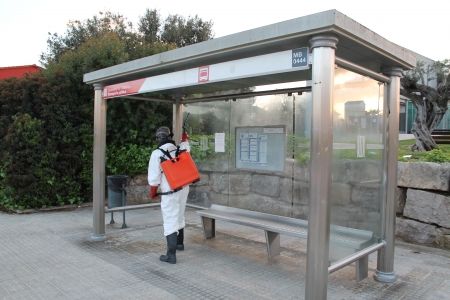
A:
209, 228
273, 243
362, 268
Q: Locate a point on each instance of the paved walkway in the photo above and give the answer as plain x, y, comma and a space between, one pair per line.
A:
51, 256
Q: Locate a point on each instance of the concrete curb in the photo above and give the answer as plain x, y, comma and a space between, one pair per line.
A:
53, 208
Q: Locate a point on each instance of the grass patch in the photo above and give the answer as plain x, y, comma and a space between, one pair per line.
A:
404, 148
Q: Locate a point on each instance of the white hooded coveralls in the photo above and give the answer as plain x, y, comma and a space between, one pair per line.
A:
173, 205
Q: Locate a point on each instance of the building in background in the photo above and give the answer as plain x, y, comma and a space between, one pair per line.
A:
17, 71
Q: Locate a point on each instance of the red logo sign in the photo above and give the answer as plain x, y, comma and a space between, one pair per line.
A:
203, 74
123, 89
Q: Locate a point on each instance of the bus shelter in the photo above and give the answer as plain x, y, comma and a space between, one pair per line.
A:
298, 118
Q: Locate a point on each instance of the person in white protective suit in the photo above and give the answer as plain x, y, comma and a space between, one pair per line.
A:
173, 204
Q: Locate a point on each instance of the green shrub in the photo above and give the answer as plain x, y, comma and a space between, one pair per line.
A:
28, 162
5, 190
204, 155
128, 160
304, 158
437, 156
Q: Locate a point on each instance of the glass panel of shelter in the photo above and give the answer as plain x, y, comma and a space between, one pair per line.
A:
358, 149
204, 121
283, 192
357, 155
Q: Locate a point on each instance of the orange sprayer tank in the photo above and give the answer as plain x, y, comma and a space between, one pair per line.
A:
180, 170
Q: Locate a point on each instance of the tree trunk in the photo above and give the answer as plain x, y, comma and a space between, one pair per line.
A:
424, 125
431, 108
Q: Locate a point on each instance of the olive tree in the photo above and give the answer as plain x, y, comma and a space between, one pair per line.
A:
429, 101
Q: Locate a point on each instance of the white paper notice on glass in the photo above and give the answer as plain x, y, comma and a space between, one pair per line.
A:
219, 142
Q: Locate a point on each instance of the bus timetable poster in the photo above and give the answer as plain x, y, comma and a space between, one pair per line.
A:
261, 148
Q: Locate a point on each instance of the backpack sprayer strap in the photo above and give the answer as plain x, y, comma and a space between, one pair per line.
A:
167, 153
171, 192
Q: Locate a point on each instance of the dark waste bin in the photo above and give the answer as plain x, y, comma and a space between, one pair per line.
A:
116, 184
117, 194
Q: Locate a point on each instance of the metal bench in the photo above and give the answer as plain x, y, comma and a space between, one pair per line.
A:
274, 225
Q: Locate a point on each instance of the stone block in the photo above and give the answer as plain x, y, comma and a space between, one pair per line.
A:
367, 196
447, 241
427, 207
294, 192
400, 195
240, 184
218, 182
199, 195
416, 232
233, 184
351, 170
286, 190
300, 211
261, 203
301, 173
342, 215
204, 180
217, 164
141, 179
266, 185
139, 195
241, 201
424, 175
441, 233
341, 193
220, 199
301, 193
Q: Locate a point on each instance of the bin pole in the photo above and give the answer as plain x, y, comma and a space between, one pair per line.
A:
123, 204
112, 218
98, 194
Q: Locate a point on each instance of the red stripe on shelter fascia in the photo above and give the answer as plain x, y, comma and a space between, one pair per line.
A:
122, 89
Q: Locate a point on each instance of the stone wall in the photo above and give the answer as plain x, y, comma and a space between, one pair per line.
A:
423, 195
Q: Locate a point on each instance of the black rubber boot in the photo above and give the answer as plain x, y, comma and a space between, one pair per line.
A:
180, 239
171, 257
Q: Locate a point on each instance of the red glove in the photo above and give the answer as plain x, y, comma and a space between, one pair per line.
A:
153, 192
184, 137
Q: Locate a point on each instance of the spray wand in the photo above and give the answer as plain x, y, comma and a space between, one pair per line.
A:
184, 123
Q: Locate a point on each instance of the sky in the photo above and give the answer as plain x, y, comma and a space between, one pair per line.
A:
419, 26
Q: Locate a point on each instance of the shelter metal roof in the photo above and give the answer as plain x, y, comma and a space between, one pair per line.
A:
357, 44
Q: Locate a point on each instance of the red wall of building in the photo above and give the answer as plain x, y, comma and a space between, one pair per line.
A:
18, 71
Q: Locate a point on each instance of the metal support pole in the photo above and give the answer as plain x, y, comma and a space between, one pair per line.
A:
385, 261
323, 65
124, 225
177, 118
98, 195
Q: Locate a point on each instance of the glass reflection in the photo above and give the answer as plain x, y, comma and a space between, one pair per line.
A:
357, 158
283, 192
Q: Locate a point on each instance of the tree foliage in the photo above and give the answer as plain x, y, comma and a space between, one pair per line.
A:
430, 102
184, 32
175, 29
46, 118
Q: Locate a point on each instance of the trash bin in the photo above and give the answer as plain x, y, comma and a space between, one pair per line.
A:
115, 183
117, 194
